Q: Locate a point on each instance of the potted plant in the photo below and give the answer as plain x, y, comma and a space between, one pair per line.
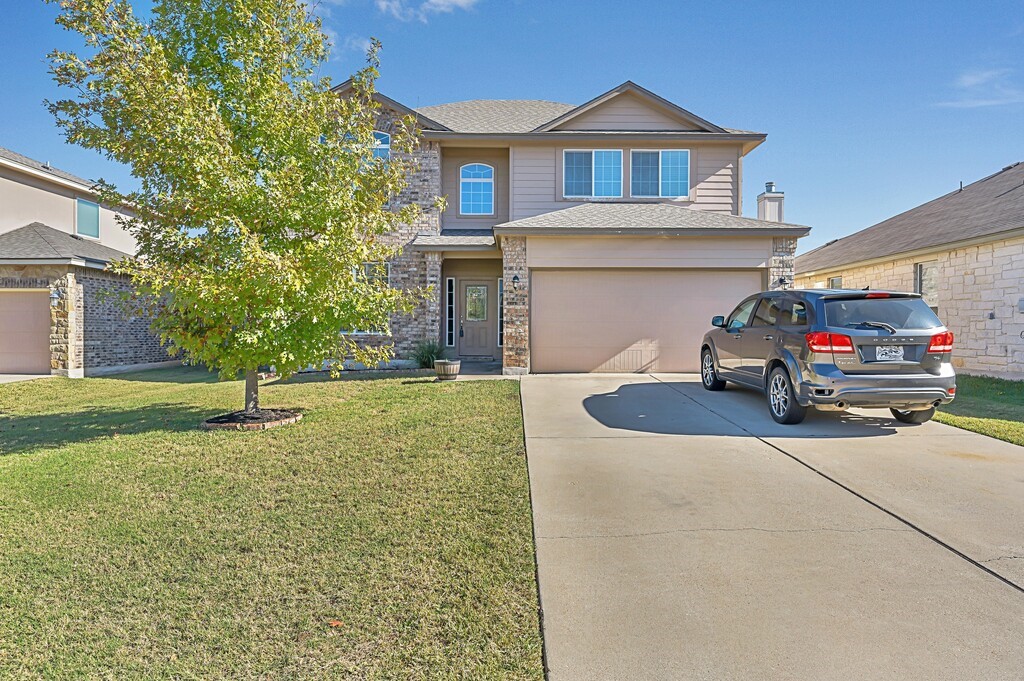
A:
430, 353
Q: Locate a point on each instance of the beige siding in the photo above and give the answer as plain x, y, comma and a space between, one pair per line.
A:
627, 112
649, 252
537, 177
25, 199
975, 283
452, 159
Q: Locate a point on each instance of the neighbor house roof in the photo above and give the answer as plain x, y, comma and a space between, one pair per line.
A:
495, 115
980, 210
633, 218
455, 239
40, 167
37, 243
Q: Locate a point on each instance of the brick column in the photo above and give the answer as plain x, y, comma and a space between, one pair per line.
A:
516, 350
781, 265
432, 307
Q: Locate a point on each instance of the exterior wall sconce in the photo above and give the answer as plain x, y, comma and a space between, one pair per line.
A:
515, 282
782, 283
54, 298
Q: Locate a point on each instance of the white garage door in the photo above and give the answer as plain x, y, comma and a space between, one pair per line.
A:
24, 332
628, 320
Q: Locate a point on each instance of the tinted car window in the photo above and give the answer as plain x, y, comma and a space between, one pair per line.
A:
767, 313
741, 314
794, 313
901, 313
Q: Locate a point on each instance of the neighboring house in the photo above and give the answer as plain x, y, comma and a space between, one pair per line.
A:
55, 244
964, 252
600, 237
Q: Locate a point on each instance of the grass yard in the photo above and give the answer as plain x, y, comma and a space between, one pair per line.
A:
990, 406
386, 535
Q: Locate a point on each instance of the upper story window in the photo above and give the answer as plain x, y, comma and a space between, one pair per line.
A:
476, 189
382, 145
87, 218
593, 173
660, 173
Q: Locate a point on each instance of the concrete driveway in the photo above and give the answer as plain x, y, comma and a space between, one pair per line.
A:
684, 534
16, 378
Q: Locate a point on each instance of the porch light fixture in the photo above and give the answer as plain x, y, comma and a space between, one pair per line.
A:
54, 297
782, 282
515, 282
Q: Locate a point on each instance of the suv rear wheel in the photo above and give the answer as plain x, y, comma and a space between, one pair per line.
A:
781, 400
708, 376
922, 416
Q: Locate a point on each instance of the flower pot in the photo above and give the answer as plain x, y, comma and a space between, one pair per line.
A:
447, 369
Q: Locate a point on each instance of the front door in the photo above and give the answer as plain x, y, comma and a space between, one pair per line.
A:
475, 322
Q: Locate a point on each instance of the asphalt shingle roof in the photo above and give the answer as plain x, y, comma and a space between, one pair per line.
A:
455, 238
495, 115
37, 241
36, 165
987, 207
639, 216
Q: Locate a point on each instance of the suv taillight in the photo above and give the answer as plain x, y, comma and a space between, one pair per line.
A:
941, 342
837, 343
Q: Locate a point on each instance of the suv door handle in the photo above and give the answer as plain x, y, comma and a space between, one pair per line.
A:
767, 336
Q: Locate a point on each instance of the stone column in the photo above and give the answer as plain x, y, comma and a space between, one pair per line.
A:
781, 264
67, 338
516, 350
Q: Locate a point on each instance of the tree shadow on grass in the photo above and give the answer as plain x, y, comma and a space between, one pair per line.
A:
21, 434
362, 375
182, 374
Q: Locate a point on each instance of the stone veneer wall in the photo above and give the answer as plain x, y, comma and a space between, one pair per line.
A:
516, 349
980, 292
415, 269
87, 331
781, 264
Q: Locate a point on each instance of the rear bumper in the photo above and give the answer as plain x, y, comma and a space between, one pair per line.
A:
827, 387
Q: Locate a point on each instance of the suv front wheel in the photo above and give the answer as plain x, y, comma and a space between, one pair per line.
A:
708, 376
782, 399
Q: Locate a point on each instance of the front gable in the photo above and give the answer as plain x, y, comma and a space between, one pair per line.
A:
630, 108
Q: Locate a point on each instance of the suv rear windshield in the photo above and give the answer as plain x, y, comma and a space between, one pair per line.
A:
901, 313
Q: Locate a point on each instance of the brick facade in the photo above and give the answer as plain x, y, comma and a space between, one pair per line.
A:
89, 331
516, 350
981, 289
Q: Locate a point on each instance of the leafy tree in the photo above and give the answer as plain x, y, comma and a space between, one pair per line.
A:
259, 196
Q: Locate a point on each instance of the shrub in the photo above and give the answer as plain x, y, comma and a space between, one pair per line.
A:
426, 352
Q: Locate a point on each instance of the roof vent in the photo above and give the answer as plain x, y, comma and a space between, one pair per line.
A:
769, 187
46, 165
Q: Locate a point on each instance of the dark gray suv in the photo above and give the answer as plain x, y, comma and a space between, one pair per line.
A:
833, 349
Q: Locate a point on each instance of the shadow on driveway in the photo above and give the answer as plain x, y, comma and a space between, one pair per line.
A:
685, 408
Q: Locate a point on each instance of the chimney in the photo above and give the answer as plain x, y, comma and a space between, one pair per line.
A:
769, 204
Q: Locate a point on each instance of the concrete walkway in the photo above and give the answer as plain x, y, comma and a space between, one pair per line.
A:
683, 534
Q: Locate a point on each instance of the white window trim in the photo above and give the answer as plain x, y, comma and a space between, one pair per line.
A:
501, 312
689, 158
377, 144
449, 312
591, 152
99, 219
492, 180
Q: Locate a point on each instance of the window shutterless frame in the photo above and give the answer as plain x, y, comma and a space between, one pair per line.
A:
475, 181
661, 173
90, 208
449, 312
381, 145
501, 311
593, 174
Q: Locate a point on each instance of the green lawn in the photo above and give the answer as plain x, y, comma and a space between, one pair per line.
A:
386, 535
989, 406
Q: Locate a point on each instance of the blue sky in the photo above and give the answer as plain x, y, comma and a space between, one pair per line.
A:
871, 108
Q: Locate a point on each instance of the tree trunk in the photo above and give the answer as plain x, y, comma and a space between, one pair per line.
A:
252, 392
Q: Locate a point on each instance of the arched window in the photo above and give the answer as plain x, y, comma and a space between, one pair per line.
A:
476, 189
382, 146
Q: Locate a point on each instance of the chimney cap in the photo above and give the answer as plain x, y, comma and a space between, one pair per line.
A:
769, 187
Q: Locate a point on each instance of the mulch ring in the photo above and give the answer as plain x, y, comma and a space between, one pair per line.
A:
259, 420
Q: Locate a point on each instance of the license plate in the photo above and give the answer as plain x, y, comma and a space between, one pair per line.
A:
889, 353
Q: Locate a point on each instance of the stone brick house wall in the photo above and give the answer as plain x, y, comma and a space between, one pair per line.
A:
980, 294
516, 349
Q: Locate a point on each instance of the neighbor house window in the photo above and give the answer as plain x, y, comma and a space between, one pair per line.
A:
660, 174
501, 312
381, 145
476, 189
449, 312
87, 218
926, 282
835, 282
596, 173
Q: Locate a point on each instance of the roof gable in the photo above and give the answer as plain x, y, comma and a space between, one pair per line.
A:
424, 122
630, 107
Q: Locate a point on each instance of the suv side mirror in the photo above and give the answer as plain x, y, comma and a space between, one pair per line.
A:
718, 321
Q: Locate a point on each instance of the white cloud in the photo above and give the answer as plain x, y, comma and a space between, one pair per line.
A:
407, 11
976, 88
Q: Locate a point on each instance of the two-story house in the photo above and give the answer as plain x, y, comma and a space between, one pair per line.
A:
56, 241
599, 237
